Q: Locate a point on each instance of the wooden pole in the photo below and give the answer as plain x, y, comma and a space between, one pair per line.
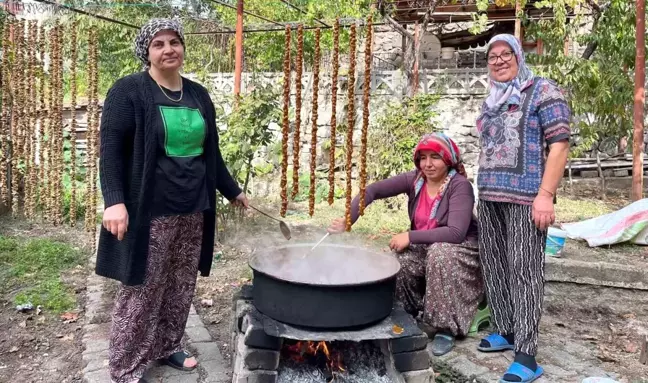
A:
417, 54
639, 101
518, 23
238, 55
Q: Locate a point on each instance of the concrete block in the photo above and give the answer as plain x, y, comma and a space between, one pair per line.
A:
255, 336
589, 174
258, 376
412, 361
420, 376
100, 376
96, 346
409, 343
621, 173
256, 358
198, 334
194, 321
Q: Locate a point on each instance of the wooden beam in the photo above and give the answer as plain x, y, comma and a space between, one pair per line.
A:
639, 101
238, 55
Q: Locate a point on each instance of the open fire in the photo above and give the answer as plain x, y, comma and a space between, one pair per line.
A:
321, 354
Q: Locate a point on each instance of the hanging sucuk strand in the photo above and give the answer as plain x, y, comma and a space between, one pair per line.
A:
73, 122
298, 107
93, 131
334, 90
53, 125
48, 139
30, 179
313, 149
365, 113
350, 122
5, 132
42, 117
285, 125
58, 131
16, 115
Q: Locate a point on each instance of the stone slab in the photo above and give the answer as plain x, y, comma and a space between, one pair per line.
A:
255, 335
97, 346
217, 371
596, 273
100, 376
384, 329
198, 334
207, 351
194, 321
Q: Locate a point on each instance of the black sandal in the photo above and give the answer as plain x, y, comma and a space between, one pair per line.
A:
177, 361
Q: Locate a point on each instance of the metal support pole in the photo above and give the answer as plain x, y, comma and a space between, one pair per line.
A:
639, 101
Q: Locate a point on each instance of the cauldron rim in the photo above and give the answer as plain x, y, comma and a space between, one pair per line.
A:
256, 253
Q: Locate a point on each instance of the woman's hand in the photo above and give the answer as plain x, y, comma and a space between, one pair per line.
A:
241, 201
543, 211
115, 220
337, 226
399, 242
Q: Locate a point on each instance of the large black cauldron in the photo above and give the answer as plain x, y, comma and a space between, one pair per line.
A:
334, 286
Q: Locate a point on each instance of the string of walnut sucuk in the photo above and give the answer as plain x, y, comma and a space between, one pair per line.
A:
73, 122
5, 132
313, 150
285, 124
43, 115
16, 115
30, 138
298, 107
58, 161
350, 122
365, 114
93, 131
334, 90
48, 151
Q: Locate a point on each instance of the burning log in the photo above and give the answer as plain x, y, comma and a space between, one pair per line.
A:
365, 114
350, 122
313, 153
315, 353
334, 90
298, 107
285, 125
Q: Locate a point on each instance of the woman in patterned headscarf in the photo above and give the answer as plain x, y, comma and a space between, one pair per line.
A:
160, 167
440, 276
522, 117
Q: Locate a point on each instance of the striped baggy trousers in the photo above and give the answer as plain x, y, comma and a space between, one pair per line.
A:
511, 249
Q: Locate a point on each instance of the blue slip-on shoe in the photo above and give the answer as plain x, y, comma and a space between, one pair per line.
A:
497, 343
525, 374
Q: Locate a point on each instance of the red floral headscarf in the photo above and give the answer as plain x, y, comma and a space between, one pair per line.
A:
444, 146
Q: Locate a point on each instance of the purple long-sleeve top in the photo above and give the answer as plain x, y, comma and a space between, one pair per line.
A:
456, 221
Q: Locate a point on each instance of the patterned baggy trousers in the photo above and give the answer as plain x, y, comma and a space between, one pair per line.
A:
444, 282
149, 319
511, 248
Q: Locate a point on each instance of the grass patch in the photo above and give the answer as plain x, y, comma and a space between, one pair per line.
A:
574, 210
30, 271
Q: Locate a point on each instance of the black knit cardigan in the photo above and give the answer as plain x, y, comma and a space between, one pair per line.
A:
128, 151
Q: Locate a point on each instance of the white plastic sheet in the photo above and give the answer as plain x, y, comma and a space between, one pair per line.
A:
629, 224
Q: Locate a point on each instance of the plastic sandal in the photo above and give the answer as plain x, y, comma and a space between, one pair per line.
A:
525, 374
497, 343
177, 361
442, 344
481, 321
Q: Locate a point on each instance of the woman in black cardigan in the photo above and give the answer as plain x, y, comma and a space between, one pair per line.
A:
160, 167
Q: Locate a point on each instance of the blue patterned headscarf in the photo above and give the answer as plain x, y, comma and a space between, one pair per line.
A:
503, 94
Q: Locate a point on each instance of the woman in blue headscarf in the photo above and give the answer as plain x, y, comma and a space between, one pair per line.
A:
524, 129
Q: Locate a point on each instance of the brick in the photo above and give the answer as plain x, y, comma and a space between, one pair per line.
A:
412, 361
420, 376
259, 376
409, 343
255, 336
256, 358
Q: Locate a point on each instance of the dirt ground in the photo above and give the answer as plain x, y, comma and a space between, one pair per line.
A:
43, 347
600, 325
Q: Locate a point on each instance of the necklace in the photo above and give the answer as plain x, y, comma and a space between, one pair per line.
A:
165, 95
